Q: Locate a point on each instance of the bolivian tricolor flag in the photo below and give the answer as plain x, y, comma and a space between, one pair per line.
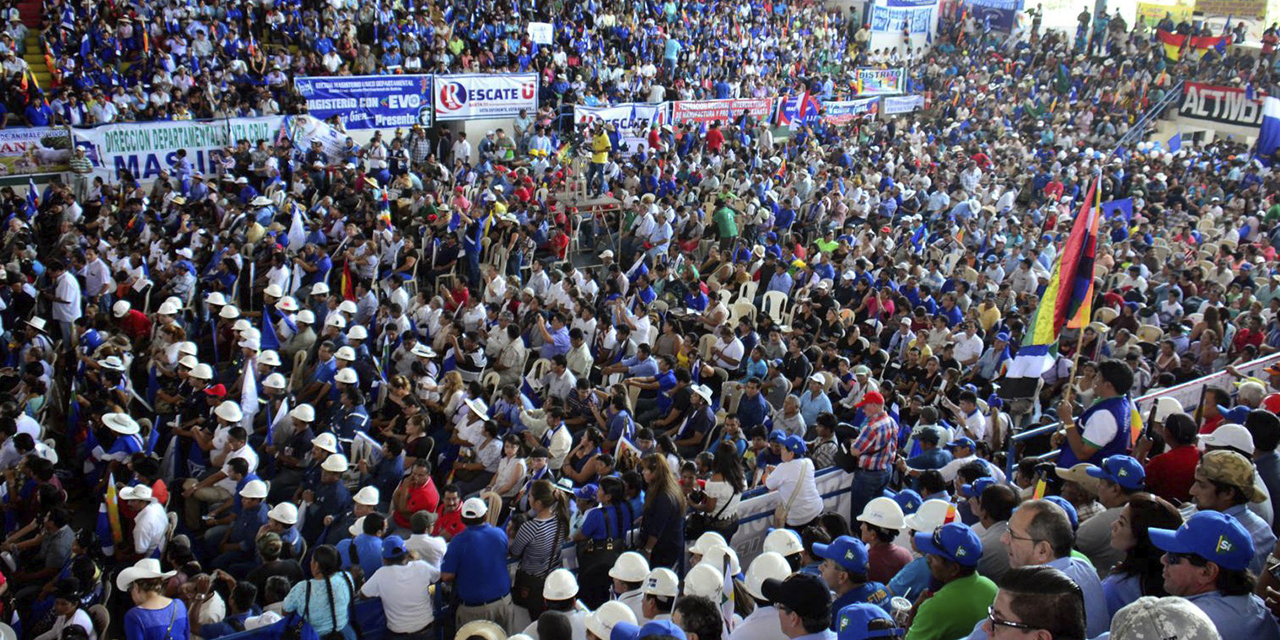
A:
1176, 46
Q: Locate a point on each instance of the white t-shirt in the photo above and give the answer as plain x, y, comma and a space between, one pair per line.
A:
249, 456
149, 528
68, 290
723, 491
428, 547
732, 350
405, 598
783, 480
968, 347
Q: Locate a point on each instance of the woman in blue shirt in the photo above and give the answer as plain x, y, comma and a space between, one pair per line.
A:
1141, 573
609, 521
153, 616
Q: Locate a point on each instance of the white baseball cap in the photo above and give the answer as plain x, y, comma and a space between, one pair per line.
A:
474, 508
1229, 435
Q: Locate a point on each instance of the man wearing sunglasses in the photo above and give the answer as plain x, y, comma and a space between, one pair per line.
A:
804, 606
1036, 603
1207, 561
952, 551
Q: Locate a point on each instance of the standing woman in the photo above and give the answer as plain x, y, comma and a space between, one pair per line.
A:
800, 503
602, 539
153, 616
537, 544
723, 492
1140, 573
662, 523
325, 599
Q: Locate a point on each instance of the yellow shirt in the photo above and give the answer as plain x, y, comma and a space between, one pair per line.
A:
600, 147
989, 317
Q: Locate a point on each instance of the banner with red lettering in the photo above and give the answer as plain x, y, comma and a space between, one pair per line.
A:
726, 111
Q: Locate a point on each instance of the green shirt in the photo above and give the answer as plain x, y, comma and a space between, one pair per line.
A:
953, 611
726, 223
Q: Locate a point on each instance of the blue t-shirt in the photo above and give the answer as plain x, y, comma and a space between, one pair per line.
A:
601, 523
157, 624
482, 549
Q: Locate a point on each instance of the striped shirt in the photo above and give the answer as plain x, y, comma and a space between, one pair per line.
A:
878, 443
536, 542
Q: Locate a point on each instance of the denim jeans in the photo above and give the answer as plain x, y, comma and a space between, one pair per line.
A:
867, 485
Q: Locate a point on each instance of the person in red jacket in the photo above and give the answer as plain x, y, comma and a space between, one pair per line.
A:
1171, 474
715, 139
132, 323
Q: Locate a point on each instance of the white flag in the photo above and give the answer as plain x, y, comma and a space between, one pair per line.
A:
249, 394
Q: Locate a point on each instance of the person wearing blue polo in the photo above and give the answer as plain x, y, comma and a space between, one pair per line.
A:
1102, 430
1120, 478
753, 409
484, 588
1207, 562
844, 568
863, 621
365, 549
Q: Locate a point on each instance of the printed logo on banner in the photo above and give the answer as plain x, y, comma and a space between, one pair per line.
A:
469, 96
453, 96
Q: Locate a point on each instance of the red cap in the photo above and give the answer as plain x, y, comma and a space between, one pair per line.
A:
871, 397
219, 391
1272, 403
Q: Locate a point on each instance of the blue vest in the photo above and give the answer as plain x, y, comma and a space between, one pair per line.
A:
1121, 408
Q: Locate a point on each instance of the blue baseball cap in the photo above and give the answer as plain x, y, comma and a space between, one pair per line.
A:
962, 442
975, 490
846, 551
1122, 470
777, 435
852, 622
393, 547
955, 542
1072, 514
586, 491
1212, 535
994, 400
908, 499
795, 444
626, 631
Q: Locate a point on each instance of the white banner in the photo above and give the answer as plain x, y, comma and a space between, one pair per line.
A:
145, 148
901, 104
302, 130
631, 122
480, 96
541, 32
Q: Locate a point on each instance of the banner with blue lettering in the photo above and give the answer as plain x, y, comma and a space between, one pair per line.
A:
800, 110
631, 122
901, 104
1003, 14
473, 96
845, 111
145, 148
912, 19
369, 102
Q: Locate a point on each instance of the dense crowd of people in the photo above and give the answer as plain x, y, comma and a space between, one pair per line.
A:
425, 391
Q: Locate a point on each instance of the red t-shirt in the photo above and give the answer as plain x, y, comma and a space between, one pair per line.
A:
448, 524
422, 498
135, 324
1170, 474
715, 140
884, 561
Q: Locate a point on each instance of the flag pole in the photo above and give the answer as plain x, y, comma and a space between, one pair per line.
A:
1075, 359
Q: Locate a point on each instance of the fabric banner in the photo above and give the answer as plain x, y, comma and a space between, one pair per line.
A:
846, 111
799, 111
1003, 14
1176, 46
631, 122
145, 148
541, 32
708, 111
369, 102
901, 104
1240, 9
1153, 12
1228, 105
755, 512
899, 19
480, 96
30, 150
302, 130
875, 82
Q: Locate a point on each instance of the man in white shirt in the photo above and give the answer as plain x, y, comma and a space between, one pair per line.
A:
402, 585
65, 298
422, 544
151, 523
968, 345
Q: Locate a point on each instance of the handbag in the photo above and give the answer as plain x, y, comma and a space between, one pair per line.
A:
780, 512
595, 552
526, 591
701, 522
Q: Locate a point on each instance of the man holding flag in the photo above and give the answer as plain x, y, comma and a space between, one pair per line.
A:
1103, 429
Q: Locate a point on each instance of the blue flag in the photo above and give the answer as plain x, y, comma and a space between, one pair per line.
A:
1269, 132
269, 339
33, 199
1119, 208
1175, 143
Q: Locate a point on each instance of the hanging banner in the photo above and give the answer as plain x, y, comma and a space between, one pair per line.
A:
31, 150
901, 104
479, 96
899, 19
1153, 12
145, 148
1002, 14
847, 111
876, 82
541, 32
708, 111
1228, 105
369, 102
799, 111
1238, 9
302, 130
630, 123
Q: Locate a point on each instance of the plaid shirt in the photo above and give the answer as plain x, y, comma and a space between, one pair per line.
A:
878, 443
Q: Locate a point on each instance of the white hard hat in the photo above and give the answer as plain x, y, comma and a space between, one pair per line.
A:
346, 353
347, 376
347, 306
335, 320
120, 308
769, 564
287, 303
716, 554
560, 585
284, 512
254, 489
307, 413
269, 357
229, 411
202, 371
216, 299
883, 512
337, 463
704, 580
784, 541
241, 325
357, 527
189, 362
305, 316
229, 312
661, 582
357, 332
251, 344
275, 381
188, 348
601, 621
168, 309
1166, 407
367, 496
274, 290
931, 515
319, 288
630, 567
705, 541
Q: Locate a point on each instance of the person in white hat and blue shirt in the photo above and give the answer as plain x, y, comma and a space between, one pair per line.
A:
239, 543
328, 498
363, 503
476, 562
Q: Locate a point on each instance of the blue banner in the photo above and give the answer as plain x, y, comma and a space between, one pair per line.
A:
369, 102
1003, 14
898, 19
846, 111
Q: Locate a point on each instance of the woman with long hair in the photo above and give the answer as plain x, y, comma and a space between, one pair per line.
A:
537, 544
578, 466
662, 523
722, 493
602, 539
1141, 573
